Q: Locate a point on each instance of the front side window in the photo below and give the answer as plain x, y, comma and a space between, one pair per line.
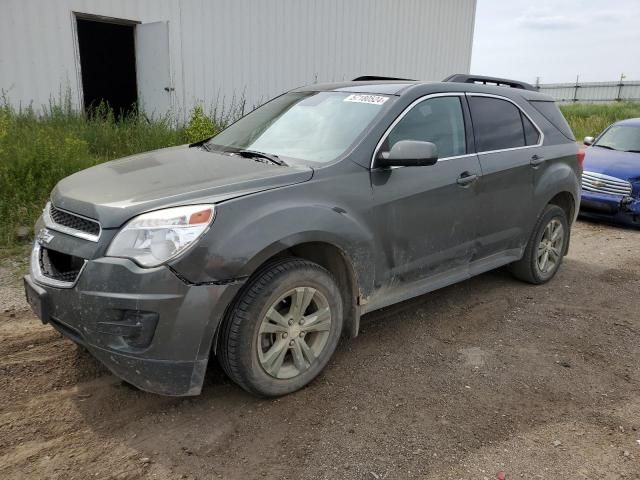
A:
310, 126
497, 124
437, 120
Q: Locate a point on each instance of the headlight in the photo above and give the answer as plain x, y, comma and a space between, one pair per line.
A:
153, 238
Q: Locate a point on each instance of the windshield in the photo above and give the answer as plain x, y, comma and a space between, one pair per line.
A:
312, 126
624, 138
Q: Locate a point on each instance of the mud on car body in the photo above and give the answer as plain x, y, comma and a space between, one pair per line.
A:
264, 244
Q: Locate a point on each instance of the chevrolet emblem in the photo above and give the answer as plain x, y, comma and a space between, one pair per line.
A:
44, 236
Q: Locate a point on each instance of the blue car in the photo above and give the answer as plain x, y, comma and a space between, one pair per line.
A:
611, 177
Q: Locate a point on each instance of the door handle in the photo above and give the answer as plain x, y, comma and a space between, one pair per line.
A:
466, 178
536, 160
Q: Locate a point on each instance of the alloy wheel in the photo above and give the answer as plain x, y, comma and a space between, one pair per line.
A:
550, 247
293, 332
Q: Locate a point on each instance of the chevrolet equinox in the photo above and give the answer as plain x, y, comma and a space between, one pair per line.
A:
264, 244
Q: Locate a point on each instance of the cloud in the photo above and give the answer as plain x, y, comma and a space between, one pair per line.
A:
550, 39
538, 21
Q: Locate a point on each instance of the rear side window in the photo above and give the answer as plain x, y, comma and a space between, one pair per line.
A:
551, 112
497, 124
437, 120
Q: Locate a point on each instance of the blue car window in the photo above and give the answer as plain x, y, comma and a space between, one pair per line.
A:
625, 138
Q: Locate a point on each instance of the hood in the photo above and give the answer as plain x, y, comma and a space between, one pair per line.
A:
623, 165
115, 191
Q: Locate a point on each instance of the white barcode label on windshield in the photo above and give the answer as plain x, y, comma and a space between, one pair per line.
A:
360, 98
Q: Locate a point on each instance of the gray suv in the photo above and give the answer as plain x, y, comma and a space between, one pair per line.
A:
265, 244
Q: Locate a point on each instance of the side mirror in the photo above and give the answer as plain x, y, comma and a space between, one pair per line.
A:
588, 140
409, 153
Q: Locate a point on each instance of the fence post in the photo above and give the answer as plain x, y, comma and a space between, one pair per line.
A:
620, 85
625, 90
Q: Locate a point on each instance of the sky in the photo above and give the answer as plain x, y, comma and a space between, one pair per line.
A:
557, 40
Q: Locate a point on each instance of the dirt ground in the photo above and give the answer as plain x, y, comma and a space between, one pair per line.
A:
487, 376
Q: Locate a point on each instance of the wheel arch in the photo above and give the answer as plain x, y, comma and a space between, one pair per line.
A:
566, 201
325, 253
336, 261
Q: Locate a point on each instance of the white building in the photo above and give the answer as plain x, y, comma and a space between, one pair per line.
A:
172, 54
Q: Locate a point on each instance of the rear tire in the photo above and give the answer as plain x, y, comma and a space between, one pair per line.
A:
546, 248
283, 329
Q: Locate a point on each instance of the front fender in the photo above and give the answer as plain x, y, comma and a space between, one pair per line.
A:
250, 230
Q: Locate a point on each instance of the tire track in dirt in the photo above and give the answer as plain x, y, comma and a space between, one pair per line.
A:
483, 376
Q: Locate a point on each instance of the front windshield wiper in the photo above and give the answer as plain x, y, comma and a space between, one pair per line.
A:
205, 146
632, 151
604, 146
255, 154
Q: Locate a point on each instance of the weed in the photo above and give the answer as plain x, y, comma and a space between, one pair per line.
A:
200, 126
37, 150
589, 119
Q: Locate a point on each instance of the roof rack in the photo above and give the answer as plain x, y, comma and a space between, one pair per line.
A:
479, 79
375, 77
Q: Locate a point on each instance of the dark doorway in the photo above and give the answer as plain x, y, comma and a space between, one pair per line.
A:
108, 64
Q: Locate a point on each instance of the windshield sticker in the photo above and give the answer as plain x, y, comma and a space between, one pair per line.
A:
372, 99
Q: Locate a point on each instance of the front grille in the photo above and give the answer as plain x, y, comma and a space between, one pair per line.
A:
74, 222
598, 182
59, 266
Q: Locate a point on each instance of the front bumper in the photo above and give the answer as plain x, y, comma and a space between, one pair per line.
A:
610, 208
148, 326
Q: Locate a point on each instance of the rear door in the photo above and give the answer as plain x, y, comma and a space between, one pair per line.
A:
505, 140
426, 216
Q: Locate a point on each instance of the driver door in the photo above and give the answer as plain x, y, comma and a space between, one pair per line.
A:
426, 217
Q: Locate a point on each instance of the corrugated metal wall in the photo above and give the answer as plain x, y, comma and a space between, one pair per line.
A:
38, 43
253, 49
592, 91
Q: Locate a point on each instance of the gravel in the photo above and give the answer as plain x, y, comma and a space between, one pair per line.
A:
63, 416
12, 298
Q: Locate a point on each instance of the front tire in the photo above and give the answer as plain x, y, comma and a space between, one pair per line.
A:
546, 248
283, 329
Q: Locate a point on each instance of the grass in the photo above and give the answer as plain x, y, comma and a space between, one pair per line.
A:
37, 150
589, 119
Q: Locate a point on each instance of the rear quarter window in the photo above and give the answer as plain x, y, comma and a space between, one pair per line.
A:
531, 134
551, 112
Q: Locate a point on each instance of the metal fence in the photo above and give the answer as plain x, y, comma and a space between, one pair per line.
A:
592, 91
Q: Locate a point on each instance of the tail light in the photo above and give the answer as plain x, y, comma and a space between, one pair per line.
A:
581, 154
